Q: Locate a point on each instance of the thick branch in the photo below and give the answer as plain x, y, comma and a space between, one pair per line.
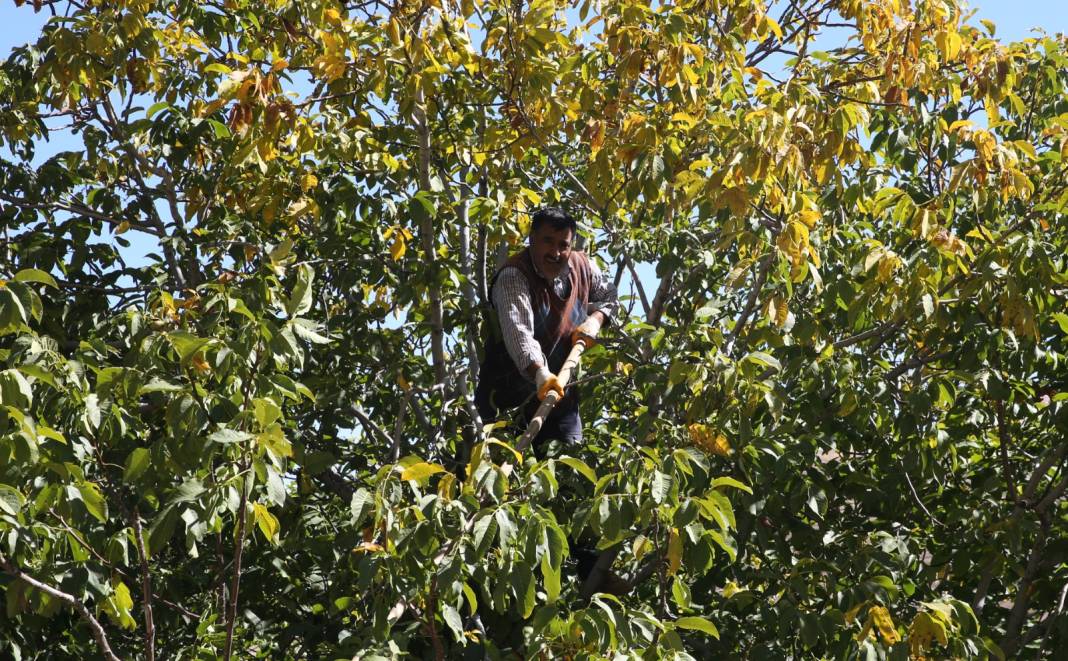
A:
750, 303
235, 585
426, 230
1011, 642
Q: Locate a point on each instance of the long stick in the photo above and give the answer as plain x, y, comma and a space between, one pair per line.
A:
551, 399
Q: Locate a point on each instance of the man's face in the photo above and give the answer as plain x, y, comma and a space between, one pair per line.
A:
550, 249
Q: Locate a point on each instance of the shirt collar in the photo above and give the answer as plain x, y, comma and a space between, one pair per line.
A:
564, 272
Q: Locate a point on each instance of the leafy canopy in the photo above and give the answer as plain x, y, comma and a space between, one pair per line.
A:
832, 424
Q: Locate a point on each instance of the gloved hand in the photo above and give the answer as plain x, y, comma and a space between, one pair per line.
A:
587, 331
546, 381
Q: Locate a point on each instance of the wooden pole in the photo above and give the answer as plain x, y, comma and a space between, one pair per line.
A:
551, 399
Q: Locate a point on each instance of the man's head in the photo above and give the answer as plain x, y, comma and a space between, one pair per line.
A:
552, 234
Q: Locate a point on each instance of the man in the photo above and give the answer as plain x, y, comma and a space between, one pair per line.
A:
544, 299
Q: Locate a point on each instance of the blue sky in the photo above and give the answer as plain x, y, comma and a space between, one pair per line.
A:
1014, 19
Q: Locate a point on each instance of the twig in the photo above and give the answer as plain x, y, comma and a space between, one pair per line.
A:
638, 285
916, 496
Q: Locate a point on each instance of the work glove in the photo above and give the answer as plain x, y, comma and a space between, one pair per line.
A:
546, 381
587, 331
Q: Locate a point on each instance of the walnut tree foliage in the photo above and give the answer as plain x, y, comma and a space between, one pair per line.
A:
831, 426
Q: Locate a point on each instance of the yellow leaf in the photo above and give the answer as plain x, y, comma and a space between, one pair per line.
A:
123, 226
949, 43
674, 552
960, 124
809, 217
368, 547
421, 471
398, 247
266, 521
308, 182
782, 311
119, 604
393, 30
199, 364
885, 624
773, 25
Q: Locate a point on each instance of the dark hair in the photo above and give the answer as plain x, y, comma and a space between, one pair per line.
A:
556, 217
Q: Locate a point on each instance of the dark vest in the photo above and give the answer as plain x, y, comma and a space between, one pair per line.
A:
554, 319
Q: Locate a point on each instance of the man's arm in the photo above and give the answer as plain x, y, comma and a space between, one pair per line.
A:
603, 295
602, 304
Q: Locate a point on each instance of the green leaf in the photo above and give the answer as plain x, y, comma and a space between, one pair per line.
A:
763, 359
307, 330
661, 487
730, 482
118, 606
12, 311
220, 129
155, 108
524, 585
1062, 321
362, 503
697, 624
186, 344
218, 67
227, 436
162, 529
266, 410
93, 501
187, 491
36, 275
156, 384
455, 622
39, 373
276, 489
551, 577
11, 500
579, 466
136, 464
15, 390
484, 531
300, 299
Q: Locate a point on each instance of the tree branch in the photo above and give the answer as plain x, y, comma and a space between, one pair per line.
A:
146, 588
94, 624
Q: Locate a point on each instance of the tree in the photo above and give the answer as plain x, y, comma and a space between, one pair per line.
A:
834, 426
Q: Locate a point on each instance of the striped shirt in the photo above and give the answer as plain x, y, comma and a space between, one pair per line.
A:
511, 298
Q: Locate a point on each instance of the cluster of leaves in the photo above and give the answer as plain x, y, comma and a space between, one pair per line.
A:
835, 427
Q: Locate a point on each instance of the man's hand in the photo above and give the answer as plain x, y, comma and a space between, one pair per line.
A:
546, 381
587, 330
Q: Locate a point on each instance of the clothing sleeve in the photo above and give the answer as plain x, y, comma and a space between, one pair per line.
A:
511, 298
603, 295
